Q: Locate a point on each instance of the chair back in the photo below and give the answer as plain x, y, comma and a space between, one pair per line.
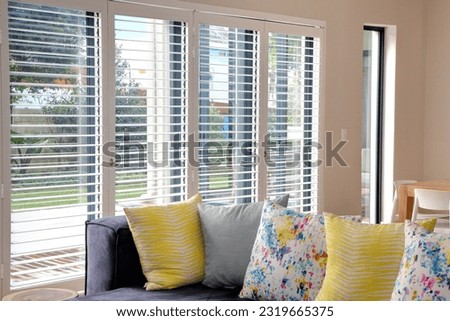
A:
432, 199
430, 202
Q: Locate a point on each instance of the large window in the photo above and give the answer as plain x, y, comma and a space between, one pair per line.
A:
226, 106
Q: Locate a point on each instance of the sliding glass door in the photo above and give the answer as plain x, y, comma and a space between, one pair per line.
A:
372, 123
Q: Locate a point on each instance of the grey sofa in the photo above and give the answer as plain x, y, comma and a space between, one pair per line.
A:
113, 270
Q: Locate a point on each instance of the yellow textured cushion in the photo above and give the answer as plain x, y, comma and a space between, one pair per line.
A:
169, 242
363, 259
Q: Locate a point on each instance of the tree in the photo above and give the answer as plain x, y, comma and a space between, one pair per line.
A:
25, 146
128, 94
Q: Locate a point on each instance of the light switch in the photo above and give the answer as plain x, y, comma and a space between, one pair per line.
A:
343, 134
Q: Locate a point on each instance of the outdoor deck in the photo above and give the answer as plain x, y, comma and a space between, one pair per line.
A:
47, 266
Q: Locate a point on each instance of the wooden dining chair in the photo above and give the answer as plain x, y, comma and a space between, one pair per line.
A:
430, 203
397, 183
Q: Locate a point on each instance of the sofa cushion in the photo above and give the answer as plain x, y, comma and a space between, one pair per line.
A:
363, 259
170, 244
194, 292
425, 269
229, 234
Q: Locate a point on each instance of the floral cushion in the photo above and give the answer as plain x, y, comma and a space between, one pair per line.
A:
289, 256
425, 269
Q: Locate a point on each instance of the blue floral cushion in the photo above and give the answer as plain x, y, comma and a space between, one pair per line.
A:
425, 269
289, 256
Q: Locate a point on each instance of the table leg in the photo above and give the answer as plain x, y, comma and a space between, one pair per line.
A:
403, 203
409, 207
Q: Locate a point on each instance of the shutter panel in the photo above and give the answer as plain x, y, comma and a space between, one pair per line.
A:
55, 139
228, 114
151, 107
293, 119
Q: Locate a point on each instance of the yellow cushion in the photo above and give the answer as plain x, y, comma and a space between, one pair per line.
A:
169, 242
363, 259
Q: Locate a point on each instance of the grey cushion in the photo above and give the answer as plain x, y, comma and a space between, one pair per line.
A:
229, 234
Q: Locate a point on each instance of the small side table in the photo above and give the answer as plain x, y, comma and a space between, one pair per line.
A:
41, 294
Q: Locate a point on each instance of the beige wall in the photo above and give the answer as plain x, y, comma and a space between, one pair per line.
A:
345, 20
437, 99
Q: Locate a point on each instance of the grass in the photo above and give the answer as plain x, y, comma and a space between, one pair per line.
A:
70, 195
67, 196
60, 196
219, 182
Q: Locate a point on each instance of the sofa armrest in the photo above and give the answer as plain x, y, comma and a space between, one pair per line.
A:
112, 260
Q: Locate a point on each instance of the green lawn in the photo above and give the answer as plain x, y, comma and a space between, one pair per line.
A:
219, 182
67, 196
70, 195
60, 196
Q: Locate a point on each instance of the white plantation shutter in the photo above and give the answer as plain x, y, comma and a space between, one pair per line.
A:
55, 139
151, 110
228, 114
293, 119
